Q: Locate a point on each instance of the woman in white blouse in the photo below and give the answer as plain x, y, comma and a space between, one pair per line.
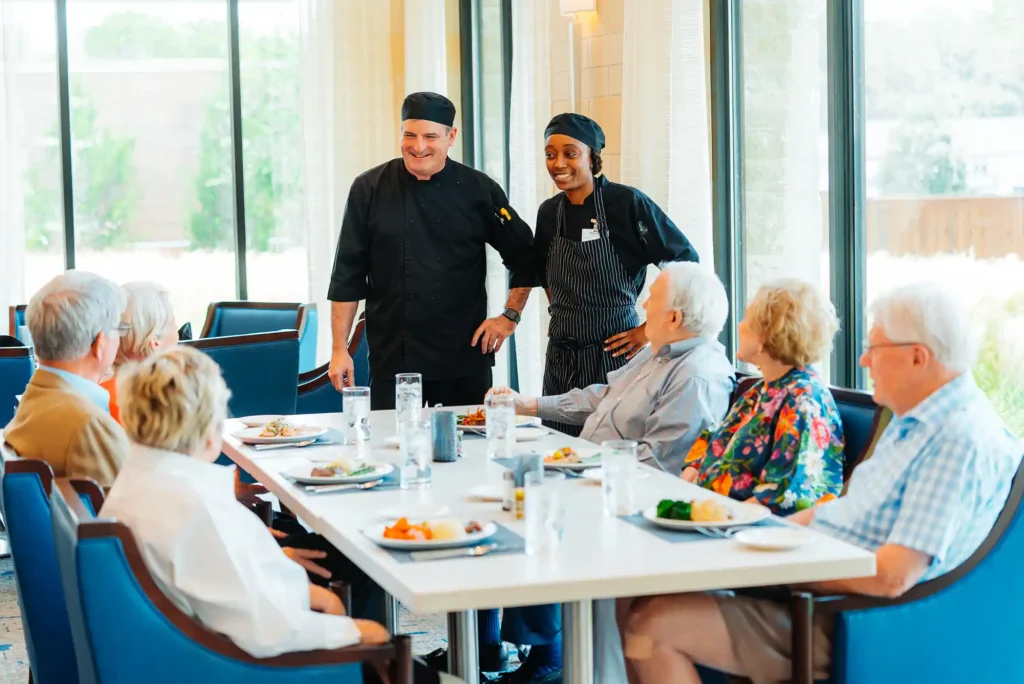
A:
209, 554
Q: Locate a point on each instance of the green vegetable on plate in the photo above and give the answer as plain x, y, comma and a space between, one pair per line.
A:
674, 510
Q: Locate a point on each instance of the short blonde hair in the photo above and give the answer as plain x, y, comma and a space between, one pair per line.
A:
794, 320
172, 400
147, 313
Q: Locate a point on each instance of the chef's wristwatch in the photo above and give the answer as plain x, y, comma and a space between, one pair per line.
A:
512, 315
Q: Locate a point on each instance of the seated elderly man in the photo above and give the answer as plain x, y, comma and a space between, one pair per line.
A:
663, 398
669, 392
930, 494
63, 419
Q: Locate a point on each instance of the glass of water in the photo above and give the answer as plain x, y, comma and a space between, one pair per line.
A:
417, 449
501, 426
545, 515
408, 399
618, 459
356, 405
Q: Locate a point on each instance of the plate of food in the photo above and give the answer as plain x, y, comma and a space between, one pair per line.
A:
568, 458
689, 515
260, 421
279, 431
437, 533
476, 421
339, 472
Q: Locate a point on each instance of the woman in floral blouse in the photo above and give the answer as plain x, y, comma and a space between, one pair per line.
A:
781, 444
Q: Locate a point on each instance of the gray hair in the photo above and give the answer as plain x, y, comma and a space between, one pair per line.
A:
929, 315
697, 293
67, 314
148, 313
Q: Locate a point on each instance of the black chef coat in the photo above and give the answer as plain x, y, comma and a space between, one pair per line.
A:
641, 233
415, 251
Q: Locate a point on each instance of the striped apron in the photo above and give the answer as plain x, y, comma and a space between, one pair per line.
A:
592, 298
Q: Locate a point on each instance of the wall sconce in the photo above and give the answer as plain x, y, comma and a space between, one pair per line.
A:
573, 6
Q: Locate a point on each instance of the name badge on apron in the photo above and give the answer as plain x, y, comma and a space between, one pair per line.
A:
590, 234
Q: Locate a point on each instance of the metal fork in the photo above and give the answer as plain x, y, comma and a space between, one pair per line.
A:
290, 445
715, 532
320, 489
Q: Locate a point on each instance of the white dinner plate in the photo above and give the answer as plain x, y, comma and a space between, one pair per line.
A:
301, 474
597, 474
376, 534
260, 421
773, 538
741, 514
591, 459
302, 433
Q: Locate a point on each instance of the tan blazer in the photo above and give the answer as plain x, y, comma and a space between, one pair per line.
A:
57, 424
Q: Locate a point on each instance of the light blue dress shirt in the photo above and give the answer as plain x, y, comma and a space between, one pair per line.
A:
663, 401
92, 391
936, 483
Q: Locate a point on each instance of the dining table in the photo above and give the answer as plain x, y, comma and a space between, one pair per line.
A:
600, 556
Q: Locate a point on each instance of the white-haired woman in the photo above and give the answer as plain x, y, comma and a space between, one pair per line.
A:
663, 398
149, 320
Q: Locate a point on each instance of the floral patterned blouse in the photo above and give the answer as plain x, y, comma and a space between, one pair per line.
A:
781, 443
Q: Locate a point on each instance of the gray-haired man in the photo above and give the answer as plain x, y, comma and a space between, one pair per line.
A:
63, 417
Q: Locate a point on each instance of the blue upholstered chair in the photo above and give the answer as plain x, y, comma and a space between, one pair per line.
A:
863, 422
127, 631
248, 318
317, 394
25, 499
260, 370
16, 368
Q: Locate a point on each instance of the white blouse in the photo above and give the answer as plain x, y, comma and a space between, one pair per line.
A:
215, 559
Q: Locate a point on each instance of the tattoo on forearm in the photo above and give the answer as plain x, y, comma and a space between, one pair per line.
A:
517, 297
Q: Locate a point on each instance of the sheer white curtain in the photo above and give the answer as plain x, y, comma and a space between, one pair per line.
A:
530, 184
12, 229
665, 128
349, 123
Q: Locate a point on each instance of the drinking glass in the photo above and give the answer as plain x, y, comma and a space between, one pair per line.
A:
416, 444
408, 398
618, 459
545, 514
501, 426
356, 405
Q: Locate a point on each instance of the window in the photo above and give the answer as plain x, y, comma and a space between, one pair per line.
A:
275, 232
784, 143
945, 168
151, 150
32, 223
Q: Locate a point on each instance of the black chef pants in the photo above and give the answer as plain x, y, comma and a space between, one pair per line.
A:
463, 391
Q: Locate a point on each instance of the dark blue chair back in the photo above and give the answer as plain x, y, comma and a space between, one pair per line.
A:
127, 631
260, 370
225, 319
16, 323
25, 500
860, 415
317, 394
16, 368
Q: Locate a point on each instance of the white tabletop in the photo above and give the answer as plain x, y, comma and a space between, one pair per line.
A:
600, 557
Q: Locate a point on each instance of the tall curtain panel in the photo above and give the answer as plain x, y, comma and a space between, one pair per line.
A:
529, 183
665, 128
12, 232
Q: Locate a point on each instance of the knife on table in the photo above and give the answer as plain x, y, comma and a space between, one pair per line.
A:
442, 554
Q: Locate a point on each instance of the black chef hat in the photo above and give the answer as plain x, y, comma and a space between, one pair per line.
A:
429, 107
577, 126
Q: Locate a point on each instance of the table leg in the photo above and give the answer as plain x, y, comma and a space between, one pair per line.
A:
578, 642
463, 659
391, 613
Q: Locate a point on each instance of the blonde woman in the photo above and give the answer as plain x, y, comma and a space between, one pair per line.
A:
149, 319
781, 444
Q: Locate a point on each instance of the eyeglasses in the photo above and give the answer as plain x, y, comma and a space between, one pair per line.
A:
123, 329
868, 348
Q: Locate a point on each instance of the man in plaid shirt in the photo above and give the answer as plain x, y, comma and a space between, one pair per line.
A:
923, 503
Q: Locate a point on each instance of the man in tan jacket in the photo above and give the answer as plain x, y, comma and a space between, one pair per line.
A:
63, 417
